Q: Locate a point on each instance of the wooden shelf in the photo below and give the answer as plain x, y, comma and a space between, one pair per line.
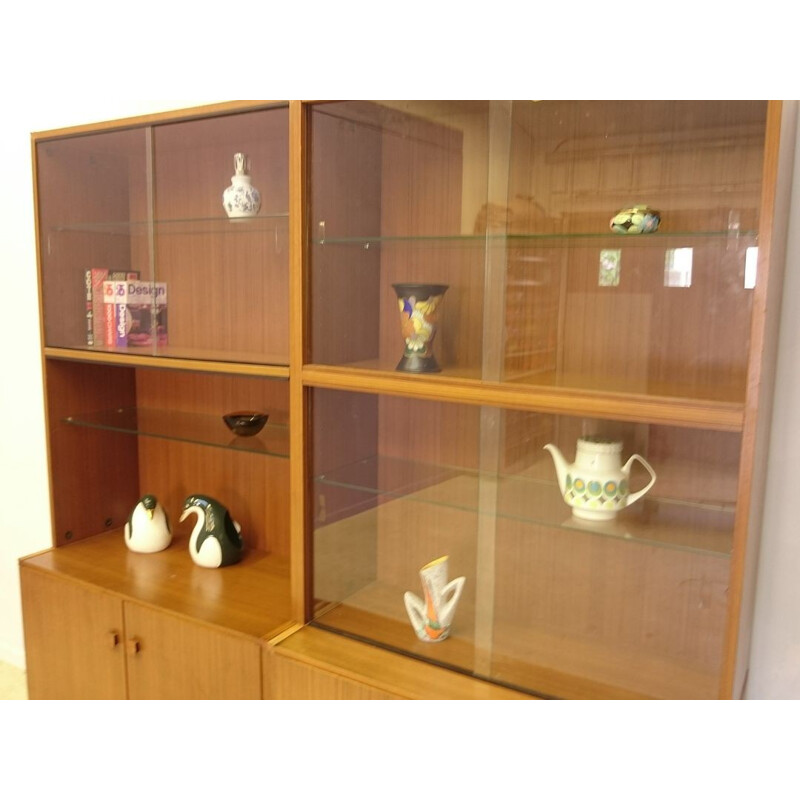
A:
251, 597
254, 364
466, 387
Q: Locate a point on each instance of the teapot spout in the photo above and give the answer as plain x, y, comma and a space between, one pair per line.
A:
560, 464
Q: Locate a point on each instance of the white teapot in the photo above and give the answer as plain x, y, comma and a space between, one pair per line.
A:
596, 485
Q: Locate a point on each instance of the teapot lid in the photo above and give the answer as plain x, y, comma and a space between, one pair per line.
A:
599, 444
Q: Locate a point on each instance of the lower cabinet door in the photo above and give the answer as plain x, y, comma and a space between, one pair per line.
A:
73, 639
171, 658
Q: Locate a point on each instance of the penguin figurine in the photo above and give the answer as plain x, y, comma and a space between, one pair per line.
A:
216, 540
147, 529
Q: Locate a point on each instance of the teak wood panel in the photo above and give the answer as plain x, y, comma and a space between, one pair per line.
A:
212, 394
85, 193
538, 396
94, 474
227, 289
662, 603
287, 679
343, 324
583, 160
345, 432
643, 335
78, 653
325, 662
692, 160
227, 292
697, 466
573, 166
574, 614
100, 646
175, 659
636, 605
114, 469
421, 195
254, 487
299, 445
404, 180
344, 200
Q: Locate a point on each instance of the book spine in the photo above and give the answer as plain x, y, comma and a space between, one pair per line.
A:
108, 313
115, 297
121, 324
89, 291
98, 276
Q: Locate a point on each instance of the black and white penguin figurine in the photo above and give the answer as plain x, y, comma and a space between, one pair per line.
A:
147, 529
216, 540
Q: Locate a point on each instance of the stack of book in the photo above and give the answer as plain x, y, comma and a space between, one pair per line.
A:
123, 311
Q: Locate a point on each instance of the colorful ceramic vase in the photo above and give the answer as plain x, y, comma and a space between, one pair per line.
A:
639, 219
241, 198
418, 303
432, 617
596, 485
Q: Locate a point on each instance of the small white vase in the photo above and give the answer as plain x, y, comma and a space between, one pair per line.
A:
241, 198
432, 617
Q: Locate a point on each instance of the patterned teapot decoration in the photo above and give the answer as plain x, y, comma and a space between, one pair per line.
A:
595, 486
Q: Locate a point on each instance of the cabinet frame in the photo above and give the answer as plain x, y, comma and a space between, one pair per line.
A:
751, 418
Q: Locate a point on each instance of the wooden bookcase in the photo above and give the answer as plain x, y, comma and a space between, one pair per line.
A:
552, 327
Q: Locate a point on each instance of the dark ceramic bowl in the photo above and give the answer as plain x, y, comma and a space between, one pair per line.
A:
245, 423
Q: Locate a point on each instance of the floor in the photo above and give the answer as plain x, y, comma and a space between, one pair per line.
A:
12, 683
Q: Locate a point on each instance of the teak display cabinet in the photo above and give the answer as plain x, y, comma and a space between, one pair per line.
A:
552, 327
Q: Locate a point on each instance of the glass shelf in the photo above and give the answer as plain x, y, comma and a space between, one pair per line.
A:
189, 226
528, 497
273, 440
606, 238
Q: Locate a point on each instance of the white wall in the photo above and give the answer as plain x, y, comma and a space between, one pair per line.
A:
775, 653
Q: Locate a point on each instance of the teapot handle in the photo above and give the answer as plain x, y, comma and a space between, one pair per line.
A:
632, 498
